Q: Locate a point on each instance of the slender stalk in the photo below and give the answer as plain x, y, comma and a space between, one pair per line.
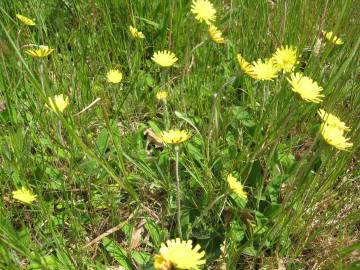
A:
167, 116
178, 204
60, 133
88, 106
41, 71
18, 37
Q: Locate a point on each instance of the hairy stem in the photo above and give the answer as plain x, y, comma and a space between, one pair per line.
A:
178, 204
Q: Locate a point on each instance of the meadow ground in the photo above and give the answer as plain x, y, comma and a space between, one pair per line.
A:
258, 173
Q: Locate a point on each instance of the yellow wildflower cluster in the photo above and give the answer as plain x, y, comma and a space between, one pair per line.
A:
216, 34
236, 186
308, 89
284, 58
24, 195
174, 136
39, 51
25, 20
114, 76
164, 58
332, 129
57, 103
245, 66
264, 70
162, 95
136, 33
204, 11
330, 36
179, 254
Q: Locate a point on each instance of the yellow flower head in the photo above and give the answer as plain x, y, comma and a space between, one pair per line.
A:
216, 34
332, 120
25, 20
330, 36
114, 76
264, 70
135, 33
335, 137
57, 103
174, 136
180, 254
40, 52
203, 10
162, 95
308, 89
23, 195
164, 58
285, 58
236, 186
245, 66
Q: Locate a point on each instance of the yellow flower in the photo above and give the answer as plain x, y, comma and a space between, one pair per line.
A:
308, 89
179, 254
216, 34
57, 103
330, 36
23, 195
25, 20
236, 186
264, 70
332, 120
40, 52
245, 66
135, 33
162, 95
203, 10
164, 58
174, 136
335, 137
114, 76
285, 58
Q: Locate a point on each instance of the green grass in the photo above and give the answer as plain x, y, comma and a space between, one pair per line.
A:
92, 172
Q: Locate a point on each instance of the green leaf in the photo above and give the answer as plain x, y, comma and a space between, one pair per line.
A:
102, 141
154, 231
150, 81
240, 113
250, 251
118, 253
64, 260
47, 261
141, 258
273, 189
272, 210
236, 233
255, 178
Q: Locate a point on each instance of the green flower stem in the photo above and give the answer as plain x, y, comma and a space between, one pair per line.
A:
18, 37
60, 134
41, 72
114, 99
167, 116
178, 203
